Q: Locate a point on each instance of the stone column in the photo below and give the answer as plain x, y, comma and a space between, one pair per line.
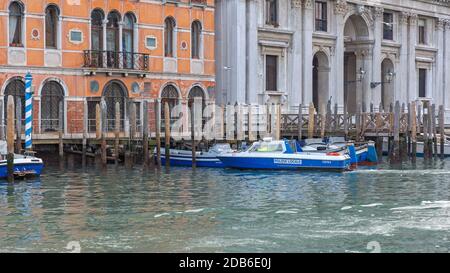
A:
340, 9
307, 30
295, 94
412, 71
438, 92
367, 56
376, 71
252, 88
402, 79
446, 87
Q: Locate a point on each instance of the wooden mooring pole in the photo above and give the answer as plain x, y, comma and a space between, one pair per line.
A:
442, 131
300, 122
413, 132
18, 126
61, 130
104, 126
10, 138
434, 130
167, 133
145, 134
85, 132
395, 157
311, 122
194, 153
158, 131
117, 122
129, 153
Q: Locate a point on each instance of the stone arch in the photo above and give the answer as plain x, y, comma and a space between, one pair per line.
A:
115, 91
321, 74
357, 25
51, 113
14, 86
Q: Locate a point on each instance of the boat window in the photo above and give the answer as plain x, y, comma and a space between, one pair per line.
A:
265, 147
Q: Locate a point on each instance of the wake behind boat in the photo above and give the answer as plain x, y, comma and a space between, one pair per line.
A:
280, 154
24, 165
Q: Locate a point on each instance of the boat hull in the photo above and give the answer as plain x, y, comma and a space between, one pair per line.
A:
186, 161
283, 163
22, 169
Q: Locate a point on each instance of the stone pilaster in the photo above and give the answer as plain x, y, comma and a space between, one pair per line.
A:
295, 95
378, 34
253, 66
402, 71
446, 73
307, 31
340, 9
412, 71
438, 91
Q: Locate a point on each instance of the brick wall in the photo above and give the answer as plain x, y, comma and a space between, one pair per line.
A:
75, 116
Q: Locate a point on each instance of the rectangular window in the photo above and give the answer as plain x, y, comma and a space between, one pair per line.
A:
422, 83
272, 12
388, 26
421, 25
76, 36
321, 16
271, 73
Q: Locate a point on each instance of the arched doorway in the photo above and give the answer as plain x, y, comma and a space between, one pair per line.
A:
52, 108
115, 92
387, 87
15, 88
357, 46
170, 95
197, 92
320, 80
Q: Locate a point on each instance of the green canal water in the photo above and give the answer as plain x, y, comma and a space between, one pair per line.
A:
379, 208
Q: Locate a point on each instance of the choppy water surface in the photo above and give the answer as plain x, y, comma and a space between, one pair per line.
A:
207, 210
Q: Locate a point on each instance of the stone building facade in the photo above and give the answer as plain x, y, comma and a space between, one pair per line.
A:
353, 51
125, 51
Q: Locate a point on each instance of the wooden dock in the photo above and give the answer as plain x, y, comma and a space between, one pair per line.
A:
134, 136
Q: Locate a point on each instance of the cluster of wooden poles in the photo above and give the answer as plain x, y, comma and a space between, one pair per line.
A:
149, 160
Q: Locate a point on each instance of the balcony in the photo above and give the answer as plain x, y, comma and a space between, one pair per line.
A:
112, 60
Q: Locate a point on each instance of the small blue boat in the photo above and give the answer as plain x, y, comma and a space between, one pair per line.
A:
202, 159
365, 153
24, 165
281, 154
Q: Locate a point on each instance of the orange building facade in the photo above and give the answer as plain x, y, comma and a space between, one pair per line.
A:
126, 51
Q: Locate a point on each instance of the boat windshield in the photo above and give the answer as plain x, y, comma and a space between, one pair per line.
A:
266, 147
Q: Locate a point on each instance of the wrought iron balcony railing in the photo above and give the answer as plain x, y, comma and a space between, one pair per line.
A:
116, 60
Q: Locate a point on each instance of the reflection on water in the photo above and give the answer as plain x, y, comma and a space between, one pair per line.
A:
208, 210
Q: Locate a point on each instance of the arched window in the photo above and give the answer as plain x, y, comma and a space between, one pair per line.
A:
196, 39
51, 26
15, 24
197, 92
112, 39
169, 95
52, 108
97, 18
15, 88
114, 92
128, 40
169, 27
